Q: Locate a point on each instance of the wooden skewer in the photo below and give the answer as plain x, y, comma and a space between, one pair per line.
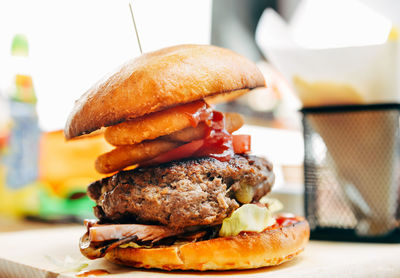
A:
136, 31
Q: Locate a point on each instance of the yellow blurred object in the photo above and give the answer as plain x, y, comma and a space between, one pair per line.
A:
324, 93
394, 34
17, 203
64, 167
24, 90
67, 166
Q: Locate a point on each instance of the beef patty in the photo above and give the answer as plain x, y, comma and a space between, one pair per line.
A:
192, 192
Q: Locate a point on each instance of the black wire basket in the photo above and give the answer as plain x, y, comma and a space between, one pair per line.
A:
352, 172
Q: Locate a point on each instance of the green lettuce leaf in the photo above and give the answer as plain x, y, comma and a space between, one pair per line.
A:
249, 218
274, 205
133, 245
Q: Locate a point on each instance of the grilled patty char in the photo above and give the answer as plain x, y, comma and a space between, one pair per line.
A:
192, 192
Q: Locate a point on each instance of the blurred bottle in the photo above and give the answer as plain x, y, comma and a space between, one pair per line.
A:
20, 155
41, 176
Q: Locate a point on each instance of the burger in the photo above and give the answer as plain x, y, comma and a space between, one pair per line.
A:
182, 191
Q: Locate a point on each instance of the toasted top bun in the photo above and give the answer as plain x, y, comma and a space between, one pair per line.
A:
244, 251
159, 80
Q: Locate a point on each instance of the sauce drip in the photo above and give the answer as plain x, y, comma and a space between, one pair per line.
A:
218, 141
286, 220
94, 272
196, 112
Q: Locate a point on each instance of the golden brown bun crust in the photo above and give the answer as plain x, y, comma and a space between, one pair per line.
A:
251, 250
158, 80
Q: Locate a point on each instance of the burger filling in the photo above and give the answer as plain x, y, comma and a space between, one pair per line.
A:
181, 194
193, 181
195, 131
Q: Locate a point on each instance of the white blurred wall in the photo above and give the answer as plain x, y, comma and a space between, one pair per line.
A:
73, 43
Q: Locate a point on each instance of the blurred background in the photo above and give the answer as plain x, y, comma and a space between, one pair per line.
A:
52, 51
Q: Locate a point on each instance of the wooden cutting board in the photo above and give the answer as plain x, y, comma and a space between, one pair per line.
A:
54, 252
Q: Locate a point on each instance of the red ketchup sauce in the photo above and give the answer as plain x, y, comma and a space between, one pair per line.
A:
217, 142
94, 272
198, 112
283, 221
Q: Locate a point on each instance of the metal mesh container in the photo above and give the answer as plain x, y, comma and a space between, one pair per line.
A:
352, 172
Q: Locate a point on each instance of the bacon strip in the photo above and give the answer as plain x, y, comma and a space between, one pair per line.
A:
152, 233
100, 238
94, 250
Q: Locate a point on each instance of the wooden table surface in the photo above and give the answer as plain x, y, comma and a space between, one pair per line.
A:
54, 252
15, 225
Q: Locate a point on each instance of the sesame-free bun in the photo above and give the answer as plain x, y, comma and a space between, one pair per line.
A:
244, 251
159, 80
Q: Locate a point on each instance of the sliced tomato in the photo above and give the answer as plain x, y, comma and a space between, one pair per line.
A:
241, 143
183, 151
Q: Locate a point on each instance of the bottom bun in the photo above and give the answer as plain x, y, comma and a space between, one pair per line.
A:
244, 251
